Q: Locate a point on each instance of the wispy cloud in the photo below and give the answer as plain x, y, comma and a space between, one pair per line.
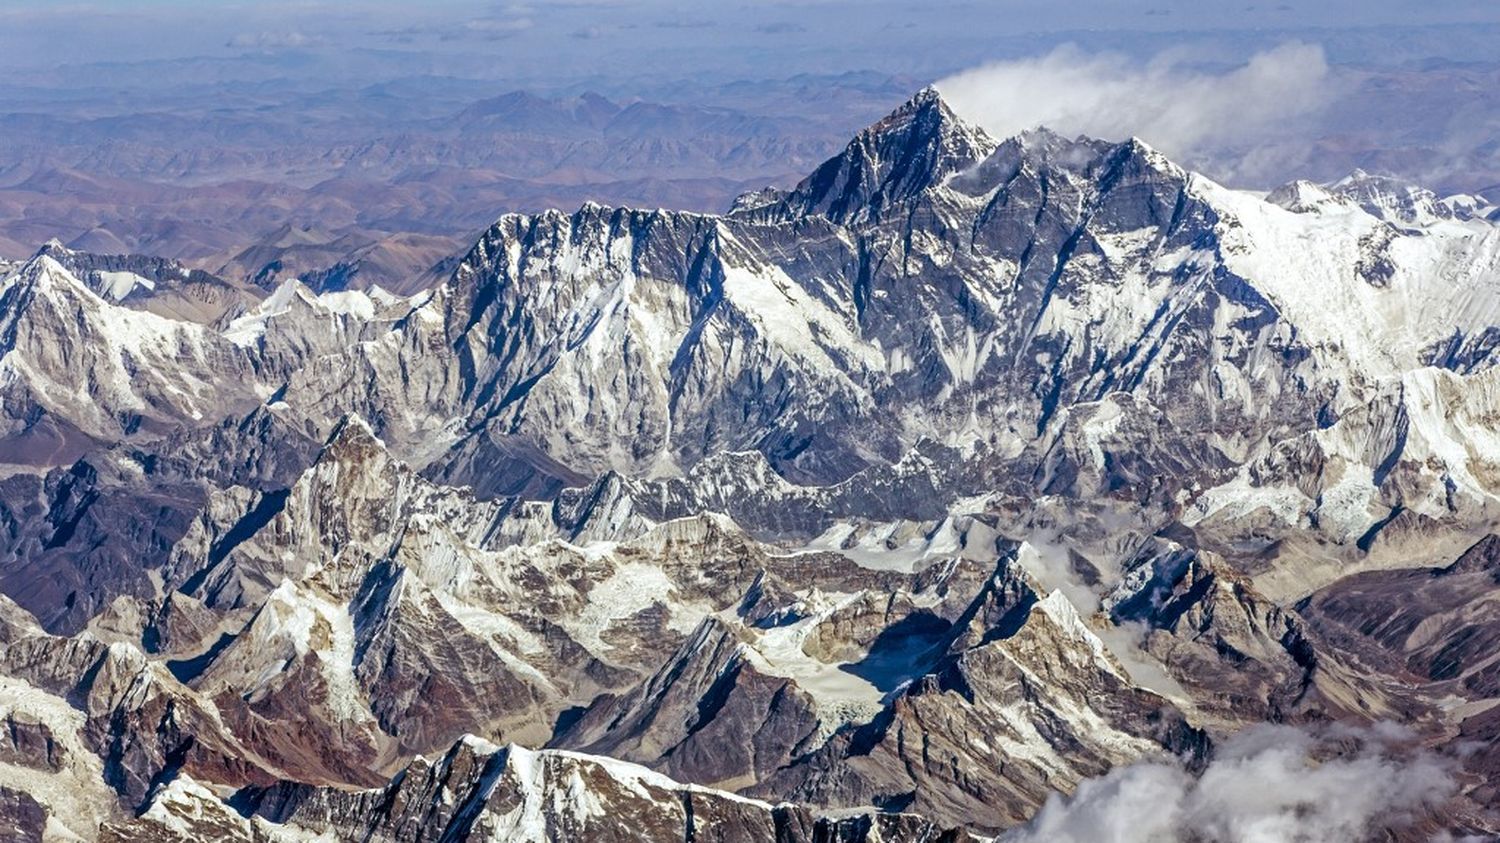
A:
684, 23
498, 27
1269, 784
1178, 108
273, 41
490, 28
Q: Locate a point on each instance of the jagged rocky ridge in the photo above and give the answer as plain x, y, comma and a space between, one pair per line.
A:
880, 508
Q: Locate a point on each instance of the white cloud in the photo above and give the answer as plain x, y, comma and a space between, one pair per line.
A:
498, 26
1269, 784
274, 40
1182, 111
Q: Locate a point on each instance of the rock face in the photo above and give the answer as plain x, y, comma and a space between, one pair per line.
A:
159, 286
477, 790
1432, 628
881, 508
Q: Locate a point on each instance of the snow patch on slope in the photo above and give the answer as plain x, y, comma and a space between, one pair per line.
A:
1309, 266
116, 286
75, 796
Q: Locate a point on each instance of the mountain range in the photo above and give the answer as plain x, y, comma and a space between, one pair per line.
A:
387, 177
965, 474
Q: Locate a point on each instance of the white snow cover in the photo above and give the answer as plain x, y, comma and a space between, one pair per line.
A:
124, 348
535, 772
631, 589
1446, 278
908, 546
294, 621
117, 285
183, 803
790, 317
360, 305
76, 797
840, 695
551, 787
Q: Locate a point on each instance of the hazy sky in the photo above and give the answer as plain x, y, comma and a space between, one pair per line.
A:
1192, 75
563, 41
207, 96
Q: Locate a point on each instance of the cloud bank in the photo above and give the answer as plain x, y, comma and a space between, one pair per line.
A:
1185, 112
1264, 785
